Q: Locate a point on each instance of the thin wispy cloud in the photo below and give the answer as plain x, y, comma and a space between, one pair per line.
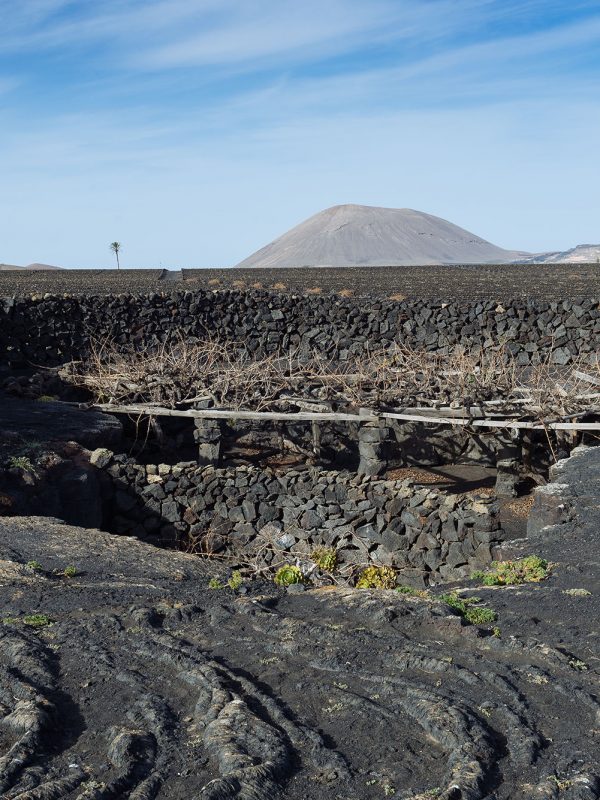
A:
275, 109
199, 32
485, 73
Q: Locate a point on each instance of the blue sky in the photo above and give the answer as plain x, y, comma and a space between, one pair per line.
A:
195, 131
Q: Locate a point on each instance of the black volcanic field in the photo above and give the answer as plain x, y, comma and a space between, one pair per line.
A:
127, 674
473, 281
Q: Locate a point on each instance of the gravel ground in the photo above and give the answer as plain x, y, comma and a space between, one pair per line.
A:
544, 281
131, 679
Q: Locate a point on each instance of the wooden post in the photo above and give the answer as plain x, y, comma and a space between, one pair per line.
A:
316, 437
526, 449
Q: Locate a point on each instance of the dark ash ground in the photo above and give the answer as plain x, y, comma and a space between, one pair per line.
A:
466, 282
148, 684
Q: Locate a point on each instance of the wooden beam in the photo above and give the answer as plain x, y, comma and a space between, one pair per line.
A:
213, 413
366, 415
496, 423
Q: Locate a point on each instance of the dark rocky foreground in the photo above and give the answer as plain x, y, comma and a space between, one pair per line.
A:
148, 684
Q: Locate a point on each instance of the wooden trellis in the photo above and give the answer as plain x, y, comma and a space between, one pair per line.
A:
439, 416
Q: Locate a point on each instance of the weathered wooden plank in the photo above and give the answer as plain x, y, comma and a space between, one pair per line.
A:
496, 423
365, 415
213, 413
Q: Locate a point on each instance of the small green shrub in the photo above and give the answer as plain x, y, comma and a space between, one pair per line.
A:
531, 569
70, 571
325, 558
480, 616
467, 608
47, 398
236, 580
410, 592
37, 620
35, 566
287, 575
377, 578
578, 664
561, 784
22, 462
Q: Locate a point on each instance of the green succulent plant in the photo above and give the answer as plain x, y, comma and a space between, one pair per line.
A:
37, 620
410, 591
325, 558
531, 569
236, 580
377, 578
24, 463
288, 574
467, 608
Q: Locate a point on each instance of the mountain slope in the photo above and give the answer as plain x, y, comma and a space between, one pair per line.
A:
30, 267
581, 254
352, 235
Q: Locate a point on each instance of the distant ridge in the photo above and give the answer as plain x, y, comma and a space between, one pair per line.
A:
582, 254
31, 267
353, 235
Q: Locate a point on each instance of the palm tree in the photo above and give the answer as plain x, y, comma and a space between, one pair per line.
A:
116, 247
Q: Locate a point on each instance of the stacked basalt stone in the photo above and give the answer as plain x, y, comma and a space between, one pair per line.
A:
52, 329
252, 513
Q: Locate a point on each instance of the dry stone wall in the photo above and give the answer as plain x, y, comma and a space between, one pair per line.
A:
52, 329
252, 514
